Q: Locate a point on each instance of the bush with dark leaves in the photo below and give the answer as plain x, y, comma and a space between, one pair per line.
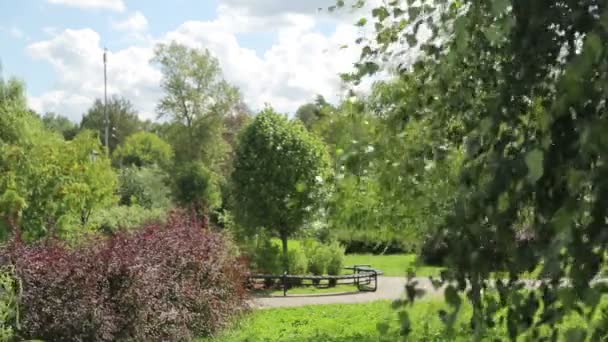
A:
168, 281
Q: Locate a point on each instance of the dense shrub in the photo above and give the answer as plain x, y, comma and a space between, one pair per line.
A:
145, 187
434, 250
317, 258
335, 260
163, 282
360, 246
266, 257
298, 262
124, 218
9, 315
195, 186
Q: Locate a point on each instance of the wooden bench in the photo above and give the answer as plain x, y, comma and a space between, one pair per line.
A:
364, 277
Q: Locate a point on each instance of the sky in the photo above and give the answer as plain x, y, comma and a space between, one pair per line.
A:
277, 52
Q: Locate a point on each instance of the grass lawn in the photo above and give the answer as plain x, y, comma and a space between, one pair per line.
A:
375, 321
368, 322
308, 290
392, 265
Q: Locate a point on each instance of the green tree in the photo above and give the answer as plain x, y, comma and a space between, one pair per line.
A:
196, 100
196, 187
279, 175
60, 124
524, 81
123, 120
143, 149
310, 113
146, 187
49, 184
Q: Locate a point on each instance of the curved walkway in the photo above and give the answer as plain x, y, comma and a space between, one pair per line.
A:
388, 288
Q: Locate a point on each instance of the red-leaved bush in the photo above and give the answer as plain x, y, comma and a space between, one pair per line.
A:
170, 281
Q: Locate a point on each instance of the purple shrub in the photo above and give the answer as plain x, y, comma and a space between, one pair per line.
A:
169, 281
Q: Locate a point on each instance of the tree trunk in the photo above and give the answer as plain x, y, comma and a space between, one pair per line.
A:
285, 258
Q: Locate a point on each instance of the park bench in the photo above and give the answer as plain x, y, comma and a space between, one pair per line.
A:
364, 277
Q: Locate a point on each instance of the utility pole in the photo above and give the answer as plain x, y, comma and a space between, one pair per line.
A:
105, 100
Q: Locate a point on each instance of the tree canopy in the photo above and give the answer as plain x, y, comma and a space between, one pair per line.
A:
124, 120
521, 86
143, 149
280, 175
196, 100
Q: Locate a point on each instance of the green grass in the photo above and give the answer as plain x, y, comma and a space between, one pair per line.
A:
315, 291
340, 322
375, 321
392, 265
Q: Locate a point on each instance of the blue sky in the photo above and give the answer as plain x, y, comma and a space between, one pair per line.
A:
278, 52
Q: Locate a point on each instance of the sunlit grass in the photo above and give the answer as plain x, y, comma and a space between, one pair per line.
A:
396, 265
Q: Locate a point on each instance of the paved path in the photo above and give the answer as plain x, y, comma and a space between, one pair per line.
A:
388, 288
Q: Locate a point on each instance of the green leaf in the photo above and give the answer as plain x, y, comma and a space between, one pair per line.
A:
493, 34
452, 297
381, 13
413, 12
411, 40
366, 51
361, 22
593, 43
575, 334
534, 162
500, 6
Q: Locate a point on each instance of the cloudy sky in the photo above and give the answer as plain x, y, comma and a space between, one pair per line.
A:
276, 51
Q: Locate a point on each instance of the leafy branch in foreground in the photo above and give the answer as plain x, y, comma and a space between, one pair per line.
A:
526, 83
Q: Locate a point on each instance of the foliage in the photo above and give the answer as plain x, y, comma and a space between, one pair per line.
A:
119, 218
196, 100
335, 262
196, 186
15, 119
265, 257
522, 83
311, 113
47, 184
279, 175
146, 187
124, 120
395, 179
60, 124
9, 304
143, 149
168, 281
318, 257
298, 262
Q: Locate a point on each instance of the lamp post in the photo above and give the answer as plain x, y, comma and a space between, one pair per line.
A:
105, 101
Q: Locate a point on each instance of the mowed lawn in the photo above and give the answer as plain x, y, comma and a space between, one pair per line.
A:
376, 321
332, 323
392, 265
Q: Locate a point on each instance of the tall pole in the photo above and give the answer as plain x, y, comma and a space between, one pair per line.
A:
105, 100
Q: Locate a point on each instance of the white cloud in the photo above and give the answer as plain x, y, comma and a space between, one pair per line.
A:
300, 64
14, 32
274, 7
76, 56
113, 5
134, 23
